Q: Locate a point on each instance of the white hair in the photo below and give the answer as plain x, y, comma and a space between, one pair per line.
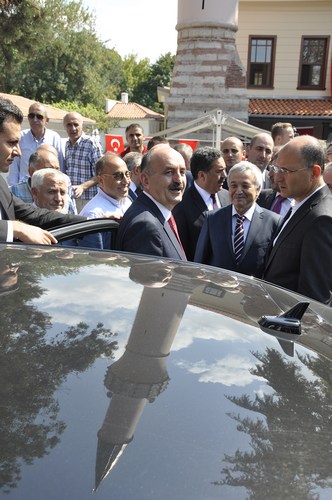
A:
38, 176
247, 166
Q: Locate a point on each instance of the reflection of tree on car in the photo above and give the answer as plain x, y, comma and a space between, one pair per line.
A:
294, 430
32, 367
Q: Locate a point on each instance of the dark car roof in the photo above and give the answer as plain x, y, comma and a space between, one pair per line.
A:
128, 377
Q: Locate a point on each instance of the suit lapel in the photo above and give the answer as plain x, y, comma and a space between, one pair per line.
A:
255, 222
174, 240
227, 224
295, 219
198, 199
223, 196
155, 210
7, 208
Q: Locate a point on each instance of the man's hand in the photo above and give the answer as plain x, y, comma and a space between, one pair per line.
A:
78, 190
32, 234
112, 215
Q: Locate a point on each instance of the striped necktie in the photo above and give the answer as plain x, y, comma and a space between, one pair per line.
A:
239, 237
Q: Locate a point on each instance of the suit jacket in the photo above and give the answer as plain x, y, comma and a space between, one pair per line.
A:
190, 179
143, 230
301, 259
215, 243
266, 198
132, 195
15, 209
190, 215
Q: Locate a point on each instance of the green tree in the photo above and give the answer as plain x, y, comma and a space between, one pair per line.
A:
33, 366
160, 75
290, 445
134, 73
62, 59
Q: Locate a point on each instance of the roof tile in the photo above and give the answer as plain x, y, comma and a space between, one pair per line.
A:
132, 111
24, 104
291, 107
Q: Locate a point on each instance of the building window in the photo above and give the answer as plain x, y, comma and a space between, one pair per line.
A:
313, 62
261, 61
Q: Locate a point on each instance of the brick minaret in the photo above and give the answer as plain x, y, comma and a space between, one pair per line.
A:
208, 73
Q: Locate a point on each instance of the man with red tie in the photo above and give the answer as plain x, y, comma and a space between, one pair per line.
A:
147, 226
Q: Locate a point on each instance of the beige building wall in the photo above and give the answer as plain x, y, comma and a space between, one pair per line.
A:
289, 20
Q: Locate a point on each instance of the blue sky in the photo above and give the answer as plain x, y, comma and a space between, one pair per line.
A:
145, 28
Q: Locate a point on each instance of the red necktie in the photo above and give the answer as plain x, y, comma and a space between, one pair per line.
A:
172, 224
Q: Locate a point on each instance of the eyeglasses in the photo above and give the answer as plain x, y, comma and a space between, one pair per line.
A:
285, 171
119, 176
35, 115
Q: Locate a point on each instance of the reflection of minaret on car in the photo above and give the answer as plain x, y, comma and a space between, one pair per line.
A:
140, 375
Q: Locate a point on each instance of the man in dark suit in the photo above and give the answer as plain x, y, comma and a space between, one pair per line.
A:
209, 172
300, 258
237, 237
146, 227
19, 220
272, 198
133, 161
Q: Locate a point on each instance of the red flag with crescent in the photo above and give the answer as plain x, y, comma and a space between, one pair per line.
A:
114, 143
193, 144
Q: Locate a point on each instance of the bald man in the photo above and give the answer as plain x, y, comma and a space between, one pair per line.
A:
301, 256
81, 155
147, 226
232, 151
259, 152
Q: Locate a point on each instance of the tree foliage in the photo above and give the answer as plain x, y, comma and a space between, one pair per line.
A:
289, 442
33, 365
57, 56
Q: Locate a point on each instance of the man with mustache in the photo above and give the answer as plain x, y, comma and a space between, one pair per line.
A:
147, 226
207, 193
237, 237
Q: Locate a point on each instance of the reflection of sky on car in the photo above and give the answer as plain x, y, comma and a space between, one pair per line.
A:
103, 301
223, 367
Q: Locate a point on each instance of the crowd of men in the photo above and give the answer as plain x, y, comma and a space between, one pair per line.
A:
262, 209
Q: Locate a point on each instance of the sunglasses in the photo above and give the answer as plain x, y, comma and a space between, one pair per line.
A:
35, 115
119, 176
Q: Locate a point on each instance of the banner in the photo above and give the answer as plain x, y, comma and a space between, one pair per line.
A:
114, 143
193, 144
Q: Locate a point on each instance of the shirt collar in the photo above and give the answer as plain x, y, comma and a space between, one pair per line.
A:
204, 194
117, 203
296, 204
166, 213
248, 214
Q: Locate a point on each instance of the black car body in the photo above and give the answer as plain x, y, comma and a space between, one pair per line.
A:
128, 377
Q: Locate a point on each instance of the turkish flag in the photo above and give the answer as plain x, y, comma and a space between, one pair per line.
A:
114, 143
193, 144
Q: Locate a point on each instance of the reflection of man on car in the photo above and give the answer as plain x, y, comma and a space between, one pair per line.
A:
8, 278
140, 375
